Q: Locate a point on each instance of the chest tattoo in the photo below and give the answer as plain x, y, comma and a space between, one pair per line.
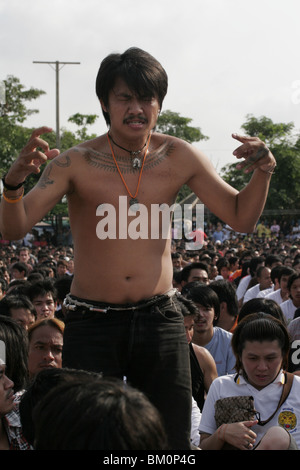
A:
104, 161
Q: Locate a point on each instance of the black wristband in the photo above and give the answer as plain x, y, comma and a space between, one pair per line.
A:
9, 187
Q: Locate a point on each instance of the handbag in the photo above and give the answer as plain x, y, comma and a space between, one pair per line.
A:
241, 408
234, 410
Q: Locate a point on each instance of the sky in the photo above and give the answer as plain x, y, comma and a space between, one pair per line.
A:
225, 59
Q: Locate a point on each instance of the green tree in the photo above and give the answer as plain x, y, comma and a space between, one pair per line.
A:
14, 135
284, 142
14, 112
172, 123
83, 121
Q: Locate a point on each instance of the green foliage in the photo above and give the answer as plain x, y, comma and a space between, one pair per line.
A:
13, 136
172, 123
284, 143
83, 120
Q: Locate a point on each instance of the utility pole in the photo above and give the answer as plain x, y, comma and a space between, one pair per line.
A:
57, 68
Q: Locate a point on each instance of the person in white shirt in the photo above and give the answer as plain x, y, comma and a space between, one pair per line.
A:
255, 263
281, 294
290, 306
263, 275
261, 346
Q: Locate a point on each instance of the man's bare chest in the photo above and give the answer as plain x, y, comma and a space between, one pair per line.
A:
156, 179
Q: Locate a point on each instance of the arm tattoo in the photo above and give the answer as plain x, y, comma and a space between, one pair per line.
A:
46, 180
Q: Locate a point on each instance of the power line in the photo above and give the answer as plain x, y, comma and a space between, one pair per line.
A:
57, 68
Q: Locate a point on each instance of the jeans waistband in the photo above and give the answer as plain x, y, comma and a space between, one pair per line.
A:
71, 302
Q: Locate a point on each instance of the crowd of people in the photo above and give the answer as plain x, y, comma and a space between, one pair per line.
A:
221, 286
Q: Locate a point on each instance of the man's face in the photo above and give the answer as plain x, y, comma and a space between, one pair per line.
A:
198, 275
283, 283
265, 280
44, 306
295, 292
16, 274
61, 269
24, 256
204, 319
23, 316
6, 393
45, 349
131, 115
176, 263
189, 327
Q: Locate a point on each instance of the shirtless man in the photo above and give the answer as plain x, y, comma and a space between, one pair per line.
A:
145, 344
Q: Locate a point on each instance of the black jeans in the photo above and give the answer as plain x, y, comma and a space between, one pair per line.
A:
148, 345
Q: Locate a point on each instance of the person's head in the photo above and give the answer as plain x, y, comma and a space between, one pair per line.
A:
43, 296
19, 271
261, 347
139, 71
45, 345
273, 260
16, 342
234, 263
6, 392
223, 267
261, 304
263, 275
97, 414
293, 287
24, 255
255, 263
39, 386
208, 306
195, 272
177, 260
3, 287
62, 286
19, 308
227, 295
296, 264
61, 267
189, 310
283, 277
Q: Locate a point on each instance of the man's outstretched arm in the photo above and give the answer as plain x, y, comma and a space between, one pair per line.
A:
18, 214
239, 209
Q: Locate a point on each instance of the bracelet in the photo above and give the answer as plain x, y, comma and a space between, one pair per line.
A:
13, 200
9, 187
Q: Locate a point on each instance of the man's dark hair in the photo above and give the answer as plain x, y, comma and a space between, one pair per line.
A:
226, 293
41, 288
206, 297
142, 73
187, 269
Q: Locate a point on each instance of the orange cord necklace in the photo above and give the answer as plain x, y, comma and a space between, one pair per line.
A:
133, 201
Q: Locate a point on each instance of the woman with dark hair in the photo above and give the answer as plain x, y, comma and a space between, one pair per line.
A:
16, 342
261, 347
